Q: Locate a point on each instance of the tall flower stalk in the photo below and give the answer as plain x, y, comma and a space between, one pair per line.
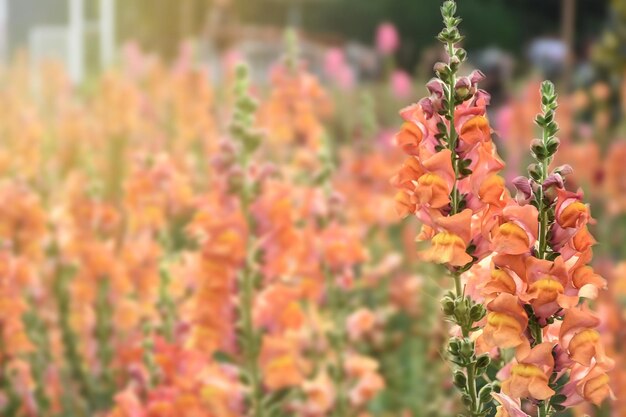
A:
249, 337
458, 308
521, 278
543, 151
540, 281
450, 183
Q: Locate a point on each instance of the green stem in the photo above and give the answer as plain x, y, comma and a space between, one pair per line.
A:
40, 358
543, 409
251, 343
543, 214
75, 362
457, 284
471, 388
251, 338
470, 369
452, 136
103, 333
13, 402
338, 342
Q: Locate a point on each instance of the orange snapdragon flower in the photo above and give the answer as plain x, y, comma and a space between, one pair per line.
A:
530, 375
594, 387
570, 211
319, 396
447, 248
409, 137
549, 287
508, 406
475, 130
506, 323
281, 362
587, 384
518, 231
578, 335
449, 242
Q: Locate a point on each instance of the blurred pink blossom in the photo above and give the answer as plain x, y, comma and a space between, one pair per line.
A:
337, 69
334, 60
401, 84
134, 59
184, 61
230, 60
387, 38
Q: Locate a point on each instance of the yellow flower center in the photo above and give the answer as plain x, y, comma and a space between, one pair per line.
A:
583, 338
527, 371
571, 213
475, 124
547, 285
513, 230
502, 277
448, 239
502, 320
431, 179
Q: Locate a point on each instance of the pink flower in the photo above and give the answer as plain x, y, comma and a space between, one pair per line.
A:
387, 38
337, 69
360, 323
401, 84
508, 406
334, 60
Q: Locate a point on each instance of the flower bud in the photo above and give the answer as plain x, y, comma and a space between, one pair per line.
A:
448, 307
477, 312
535, 171
454, 63
467, 348
460, 307
553, 146
454, 346
564, 170
482, 97
235, 179
483, 361
538, 149
427, 107
435, 87
460, 380
441, 68
476, 76
522, 185
485, 393
553, 180
462, 87
462, 54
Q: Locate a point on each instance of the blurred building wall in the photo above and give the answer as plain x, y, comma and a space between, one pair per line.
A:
72, 31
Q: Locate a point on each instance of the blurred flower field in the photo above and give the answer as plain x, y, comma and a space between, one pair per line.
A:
175, 246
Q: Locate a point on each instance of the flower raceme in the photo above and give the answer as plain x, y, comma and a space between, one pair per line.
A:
427, 179
450, 182
540, 265
524, 257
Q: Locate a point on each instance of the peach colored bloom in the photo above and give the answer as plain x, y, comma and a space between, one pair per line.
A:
529, 376
506, 323
360, 323
518, 232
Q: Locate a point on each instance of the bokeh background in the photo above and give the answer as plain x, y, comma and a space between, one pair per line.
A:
113, 115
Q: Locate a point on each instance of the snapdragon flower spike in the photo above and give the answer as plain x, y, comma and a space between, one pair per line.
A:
539, 285
450, 182
248, 140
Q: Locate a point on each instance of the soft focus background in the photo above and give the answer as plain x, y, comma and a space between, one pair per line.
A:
113, 115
